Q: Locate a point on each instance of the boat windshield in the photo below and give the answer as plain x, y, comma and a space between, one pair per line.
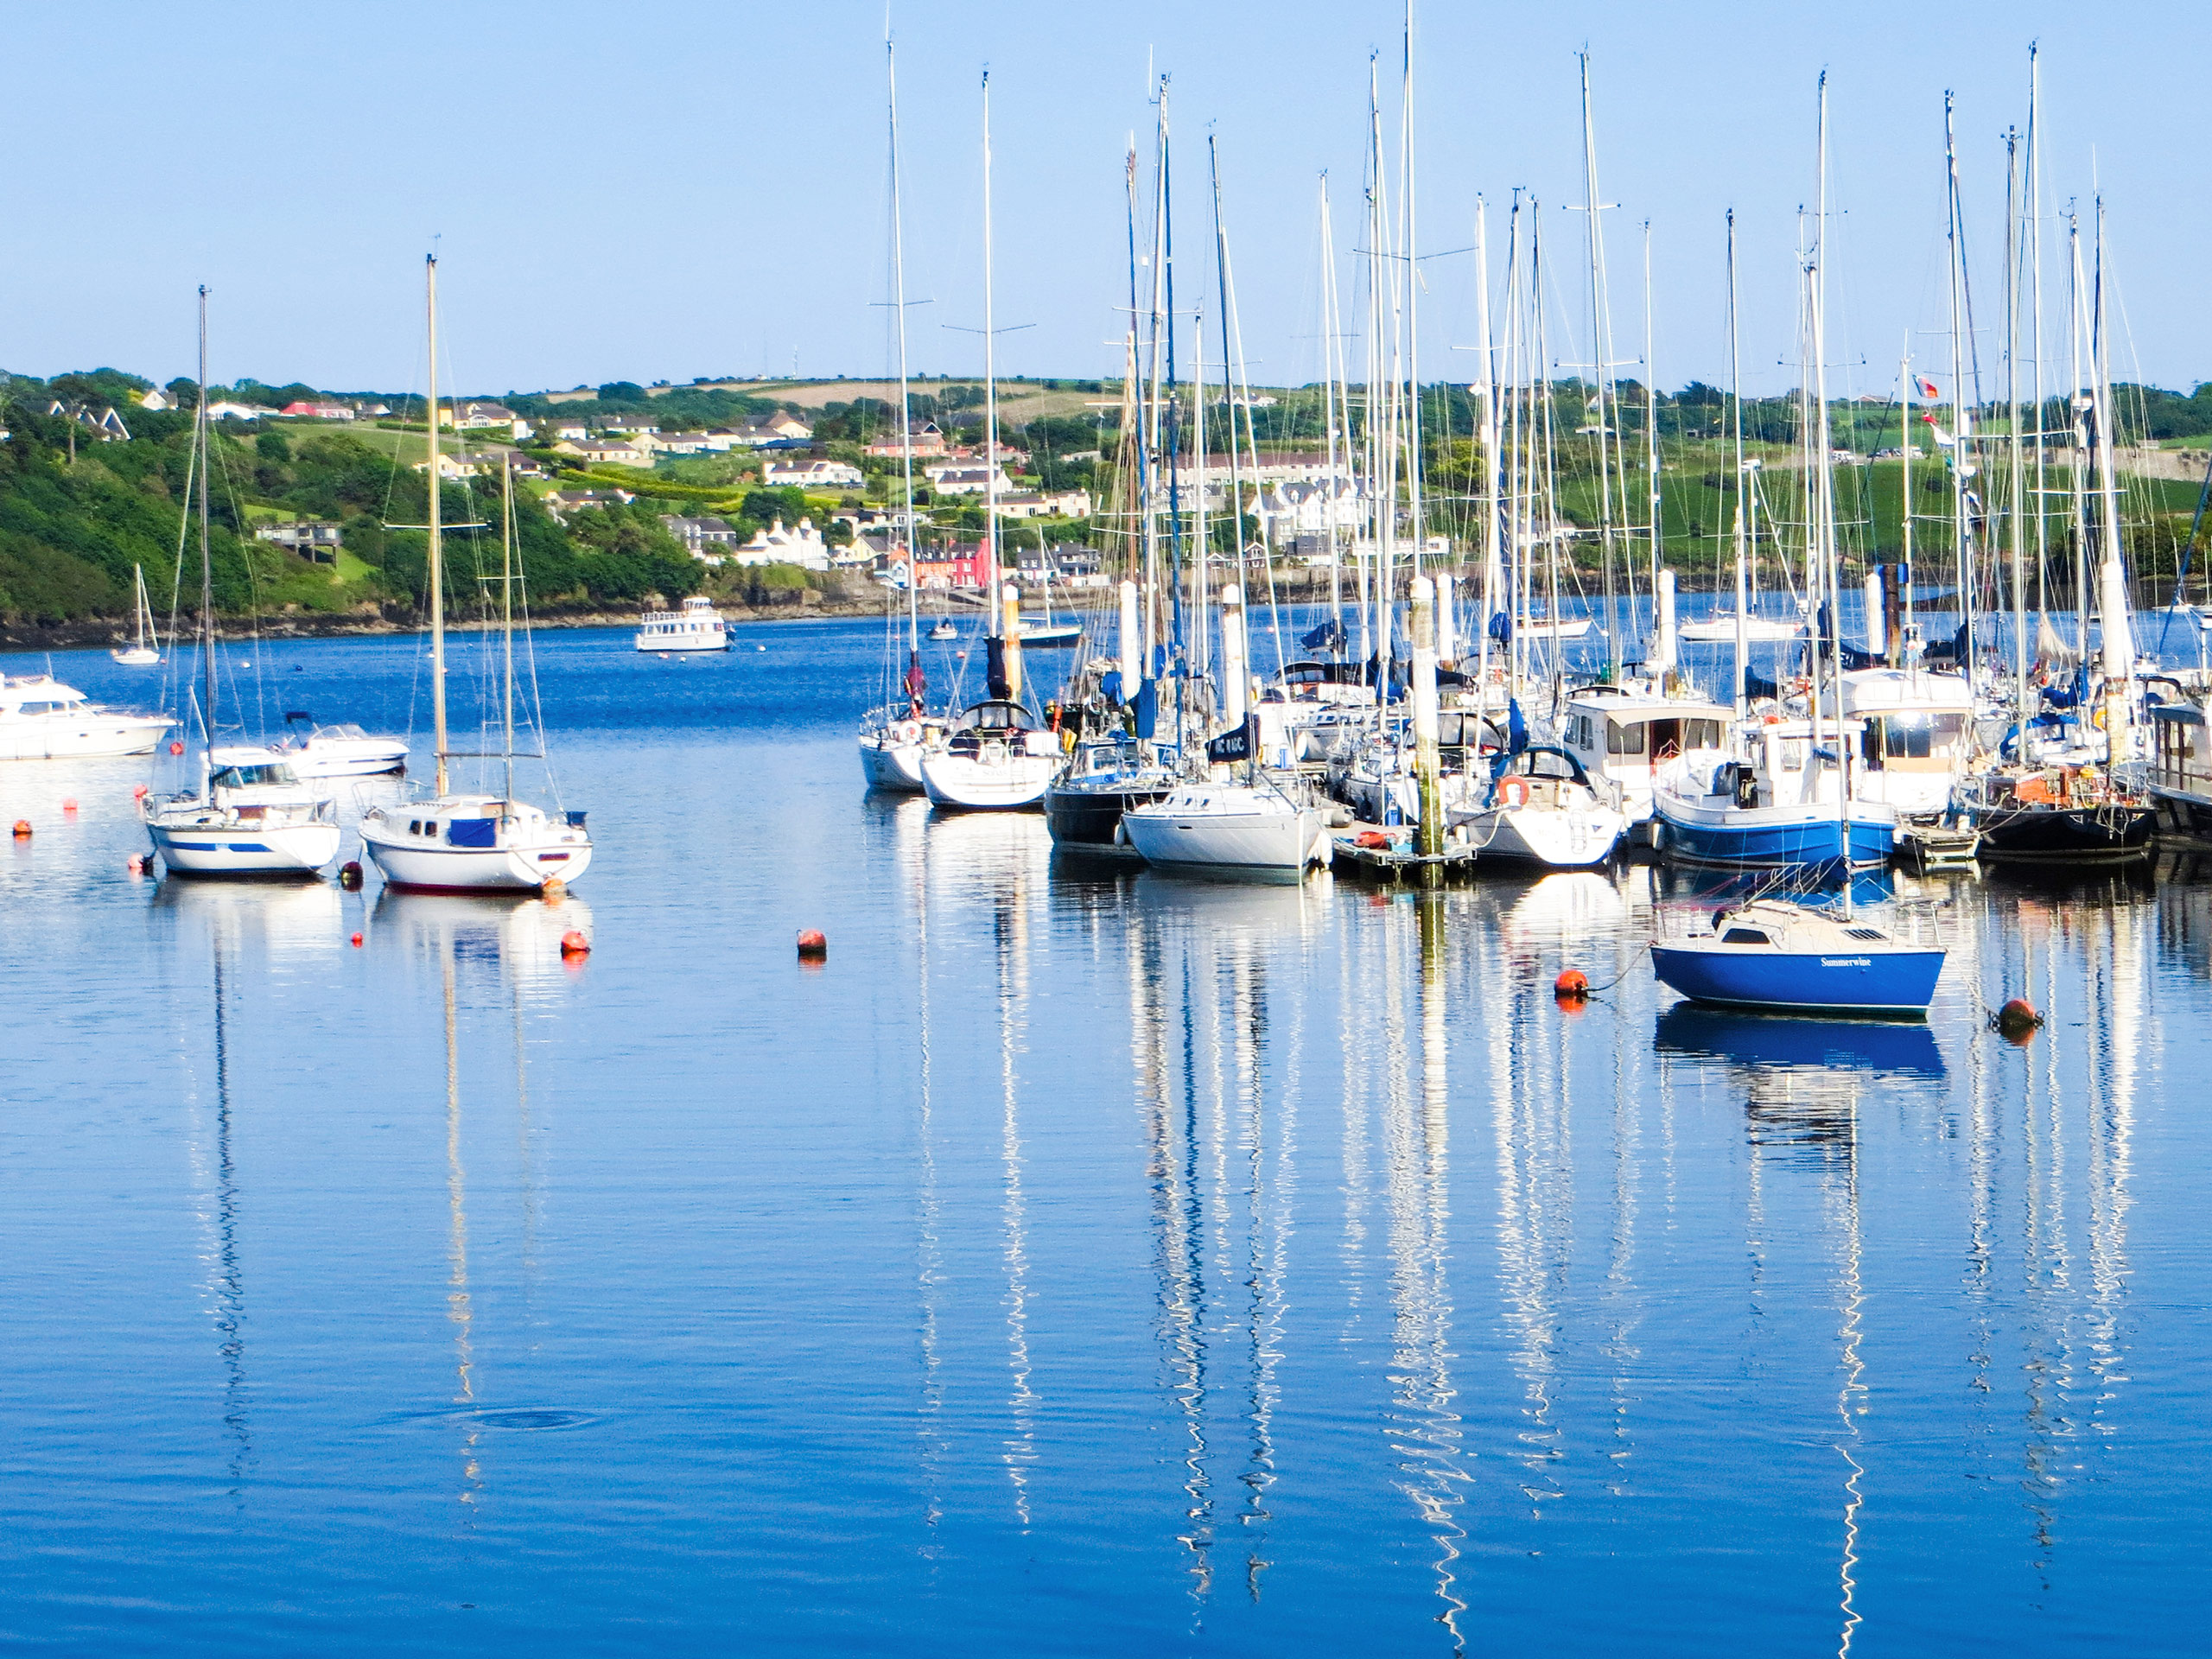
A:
251, 777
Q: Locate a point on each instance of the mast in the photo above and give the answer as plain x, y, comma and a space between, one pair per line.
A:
437, 543
1824, 481
2034, 208
2076, 413
1907, 450
507, 618
1329, 366
990, 391
2113, 606
1600, 377
207, 563
1743, 483
905, 411
1486, 400
1412, 278
2012, 205
1229, 400
1960, 538
1383, 473
1651, 452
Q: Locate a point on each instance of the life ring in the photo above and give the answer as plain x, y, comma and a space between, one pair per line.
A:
1513, 791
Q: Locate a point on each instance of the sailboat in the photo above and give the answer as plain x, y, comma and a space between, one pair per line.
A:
894, 737
145, 653
463, 843
998, 756
1781, 954
250, 815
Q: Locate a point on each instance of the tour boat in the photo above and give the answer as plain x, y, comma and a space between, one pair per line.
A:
252, 816
460, 843
1228, 828
41, 719
1540, 807
997, 758
1780, 954
144, 652
696, 627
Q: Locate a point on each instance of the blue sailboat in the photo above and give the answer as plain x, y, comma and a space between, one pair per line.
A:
1780, 956
1783, 804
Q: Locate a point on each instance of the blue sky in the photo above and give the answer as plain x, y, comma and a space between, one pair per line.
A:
684, 190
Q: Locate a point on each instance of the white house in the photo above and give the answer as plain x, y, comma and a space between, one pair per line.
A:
227, 411
778, 427
969, 480
803, 546
707, 539
1032, 503
812, 475
562, 503
154, 397
574, 431
597, 452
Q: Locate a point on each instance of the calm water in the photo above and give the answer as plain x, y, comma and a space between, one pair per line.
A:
1075, 1263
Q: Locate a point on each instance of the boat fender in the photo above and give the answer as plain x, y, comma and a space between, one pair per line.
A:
137, 865
574, 943
813, 946
69, 805
138, 793
1572, 986
22, 829
2017, 1020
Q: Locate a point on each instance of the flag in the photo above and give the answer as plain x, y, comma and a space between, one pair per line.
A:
1928, 388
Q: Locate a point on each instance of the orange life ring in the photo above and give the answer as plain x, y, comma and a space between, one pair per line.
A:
1513, 792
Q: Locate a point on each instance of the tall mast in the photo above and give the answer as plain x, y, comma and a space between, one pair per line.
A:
507, 614
1600, 374
1961, 535
1382, 373
207, 564
1330, 367
1486, 412
1651, 438
1824, 481
1907, 451
2113, 608
2012, 209
1228, 396
2077, 407
2033, 198
1743, 484
437, 544
905, 410
1412, 278
990, 390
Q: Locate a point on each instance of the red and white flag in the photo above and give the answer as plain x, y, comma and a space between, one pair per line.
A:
1928, 388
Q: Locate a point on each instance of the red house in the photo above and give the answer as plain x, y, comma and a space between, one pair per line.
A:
951, 564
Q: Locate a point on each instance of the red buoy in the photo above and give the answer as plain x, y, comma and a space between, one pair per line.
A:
137, 865
1572, 985
357, 941
178, 748
69, 805
2017, 1021
812, 946
22, 829
574, 943
138, 793
349, 874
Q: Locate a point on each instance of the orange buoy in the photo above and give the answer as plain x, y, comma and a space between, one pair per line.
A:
22, 829
137, 865
2017, 1020
138, 793
574, 943
349, 874
812, 946
357, 941
1572, 985
69, 804
178, 748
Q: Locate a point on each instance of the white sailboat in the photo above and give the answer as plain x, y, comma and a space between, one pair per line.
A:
463, 842
250, 815
894, 737
146, 650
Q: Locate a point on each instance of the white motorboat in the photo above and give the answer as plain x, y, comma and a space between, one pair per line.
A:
1722, 630
145, 651
252, 816
41, 719
1918, 736
1540, 807
1228, 828
996, 758
454, 841
341, 751
697, 626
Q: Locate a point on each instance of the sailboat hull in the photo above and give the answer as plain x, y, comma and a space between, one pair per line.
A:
1769, 837
245, 849
1895, 984
1009, 782
1089, 820
138, 657
889, 765
2071, 833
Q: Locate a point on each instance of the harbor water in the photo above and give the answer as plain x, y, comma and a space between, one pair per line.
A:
1078, 1260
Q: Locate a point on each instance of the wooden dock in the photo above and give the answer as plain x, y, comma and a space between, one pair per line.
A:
1395, 860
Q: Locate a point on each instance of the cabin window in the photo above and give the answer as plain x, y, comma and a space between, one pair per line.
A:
413, 826
1793, 753
1744, 935
1704, 734
429, 826
1623, 740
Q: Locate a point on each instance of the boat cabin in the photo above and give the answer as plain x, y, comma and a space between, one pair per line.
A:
1626, 738
1317, 682
2181, 766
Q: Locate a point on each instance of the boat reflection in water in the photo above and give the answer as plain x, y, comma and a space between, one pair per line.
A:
1802, 1079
